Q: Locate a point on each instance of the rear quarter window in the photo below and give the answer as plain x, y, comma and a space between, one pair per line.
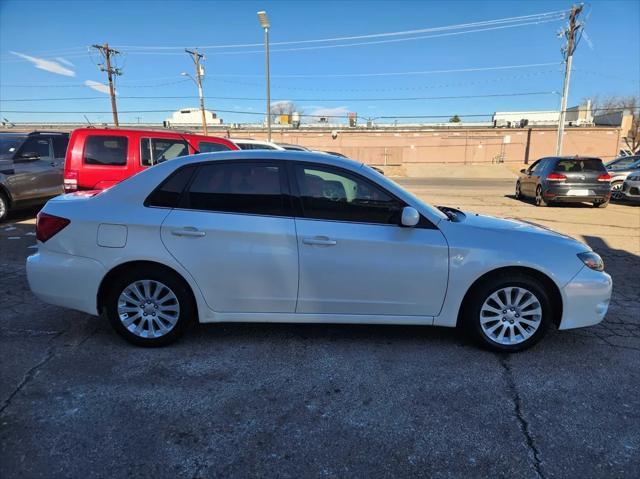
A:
106, 150
579, 165
167, 195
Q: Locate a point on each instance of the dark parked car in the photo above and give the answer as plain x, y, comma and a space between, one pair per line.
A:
619, 169
31, 167
567, 180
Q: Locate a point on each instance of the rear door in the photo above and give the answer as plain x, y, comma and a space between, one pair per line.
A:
233, 231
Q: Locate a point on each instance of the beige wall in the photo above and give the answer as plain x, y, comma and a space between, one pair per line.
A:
450, 146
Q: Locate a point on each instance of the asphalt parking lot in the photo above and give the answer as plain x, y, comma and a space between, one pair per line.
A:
282, 400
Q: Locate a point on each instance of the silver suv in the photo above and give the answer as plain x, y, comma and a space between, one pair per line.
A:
31, 167
619, 169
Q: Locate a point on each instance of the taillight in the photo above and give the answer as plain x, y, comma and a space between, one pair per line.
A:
49, 225
70, 181
604, 177
556, 177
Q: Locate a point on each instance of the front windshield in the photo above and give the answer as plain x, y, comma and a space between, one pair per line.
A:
384, 180
9, 145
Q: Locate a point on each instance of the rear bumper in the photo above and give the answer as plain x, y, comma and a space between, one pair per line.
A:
567, 193
65, 280
586, 299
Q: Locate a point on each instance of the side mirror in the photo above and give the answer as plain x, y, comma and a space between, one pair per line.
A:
410, 216
523, 170
28, 156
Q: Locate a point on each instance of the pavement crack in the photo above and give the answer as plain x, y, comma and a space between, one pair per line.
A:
30, 374
522, 421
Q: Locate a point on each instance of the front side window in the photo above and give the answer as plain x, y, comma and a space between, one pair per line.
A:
106, 150
209, 147
330, 194
237, 188
157, 150
36, 146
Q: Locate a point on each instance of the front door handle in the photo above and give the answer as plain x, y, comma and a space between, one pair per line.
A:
320, 241
188, 231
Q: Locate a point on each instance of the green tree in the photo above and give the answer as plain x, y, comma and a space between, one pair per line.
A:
454, 119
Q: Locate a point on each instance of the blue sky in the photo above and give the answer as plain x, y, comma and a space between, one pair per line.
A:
43, 55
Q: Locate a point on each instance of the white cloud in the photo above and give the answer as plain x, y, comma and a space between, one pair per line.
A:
97, 86
65, 61
47, 65
336, 111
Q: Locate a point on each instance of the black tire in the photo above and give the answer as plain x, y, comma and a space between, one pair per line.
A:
518, 190
471, 313
601, 204
4, 206
172, 282
539, 198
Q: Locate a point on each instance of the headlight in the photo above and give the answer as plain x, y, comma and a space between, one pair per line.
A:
592, 260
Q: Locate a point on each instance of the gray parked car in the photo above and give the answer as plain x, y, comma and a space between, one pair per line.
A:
619, 169
31, 167
565, 180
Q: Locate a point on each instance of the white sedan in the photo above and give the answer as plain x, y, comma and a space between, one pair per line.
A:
280, 236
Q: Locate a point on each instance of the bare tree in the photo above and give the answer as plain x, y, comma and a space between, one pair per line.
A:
618, 104
284, 107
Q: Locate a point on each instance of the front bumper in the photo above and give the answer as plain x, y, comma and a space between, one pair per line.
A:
567, 193
65, 280
631, 190
585, 299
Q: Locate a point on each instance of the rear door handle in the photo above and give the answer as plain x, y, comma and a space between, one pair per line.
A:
319, 240
189, 231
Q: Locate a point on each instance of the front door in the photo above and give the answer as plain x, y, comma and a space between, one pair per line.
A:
34, 173
233, 232
354, 256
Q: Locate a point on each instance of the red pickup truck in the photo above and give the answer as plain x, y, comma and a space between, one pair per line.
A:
98, 158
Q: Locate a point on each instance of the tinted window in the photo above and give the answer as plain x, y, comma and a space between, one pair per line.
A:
335, 195
237, 188
168, 193
106, 150
60, 143
157, 150
208, 147
629, 162
579, 165
254, 146
9, 145
537, 166
36, 145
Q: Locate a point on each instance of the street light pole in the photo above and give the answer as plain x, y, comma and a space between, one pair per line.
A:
264, 23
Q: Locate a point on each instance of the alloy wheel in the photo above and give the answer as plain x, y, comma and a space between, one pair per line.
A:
510, 315
148, 308
539, 196
616, 191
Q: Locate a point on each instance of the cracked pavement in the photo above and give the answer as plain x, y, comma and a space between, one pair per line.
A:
326, 400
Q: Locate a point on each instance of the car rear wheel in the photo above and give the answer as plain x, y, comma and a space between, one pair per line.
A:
4, 206
616, 191
509, 313
539, 199
149, 306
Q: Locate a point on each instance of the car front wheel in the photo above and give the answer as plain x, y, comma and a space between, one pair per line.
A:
509, 314
4, 206
149, 306
616, 191
518, 190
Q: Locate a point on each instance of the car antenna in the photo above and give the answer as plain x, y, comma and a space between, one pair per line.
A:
90, 124
188, 142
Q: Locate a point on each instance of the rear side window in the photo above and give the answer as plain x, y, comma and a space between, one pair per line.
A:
238, 188
157, 150
254, 146
209, 147
106, 150
579, 165
168, 193
60, 145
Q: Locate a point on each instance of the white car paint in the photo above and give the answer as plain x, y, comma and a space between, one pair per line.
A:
264, 268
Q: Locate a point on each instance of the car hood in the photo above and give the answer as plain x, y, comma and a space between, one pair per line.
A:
511, 224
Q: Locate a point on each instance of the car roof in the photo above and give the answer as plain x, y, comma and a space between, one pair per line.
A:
287, 155
142, 130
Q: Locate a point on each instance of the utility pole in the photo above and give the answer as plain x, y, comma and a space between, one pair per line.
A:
196, 57
107, 53
570, 34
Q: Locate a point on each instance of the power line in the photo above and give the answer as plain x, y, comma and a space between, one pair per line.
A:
559, 13
182, 97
